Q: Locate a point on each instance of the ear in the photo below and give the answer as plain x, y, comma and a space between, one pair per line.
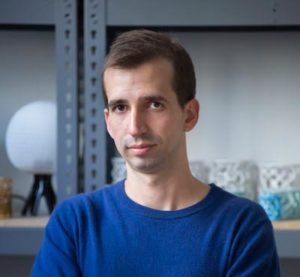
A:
191, 111
106, 116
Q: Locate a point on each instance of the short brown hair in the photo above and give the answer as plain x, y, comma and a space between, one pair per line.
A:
133, 48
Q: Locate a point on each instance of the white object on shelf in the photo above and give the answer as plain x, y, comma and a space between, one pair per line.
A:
276, 178
238, 177
279, 191
31, 138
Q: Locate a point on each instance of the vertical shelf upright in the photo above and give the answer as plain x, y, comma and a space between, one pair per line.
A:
94, 125
66, 31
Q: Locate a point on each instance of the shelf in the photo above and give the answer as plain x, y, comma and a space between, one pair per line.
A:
287, 236
21, 236
24, 222
286, 225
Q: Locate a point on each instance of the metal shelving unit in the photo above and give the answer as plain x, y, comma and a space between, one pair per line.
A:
23, 236
287, 234
83, 28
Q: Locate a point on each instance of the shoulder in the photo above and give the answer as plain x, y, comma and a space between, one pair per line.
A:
96, 197
83, 207
232, 204
240, 215
249, 234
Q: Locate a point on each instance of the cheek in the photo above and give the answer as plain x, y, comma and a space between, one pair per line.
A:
171, 124
115, 131
174, 130
114, 125
165, 130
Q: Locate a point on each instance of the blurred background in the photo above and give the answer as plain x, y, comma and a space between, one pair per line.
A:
247, 61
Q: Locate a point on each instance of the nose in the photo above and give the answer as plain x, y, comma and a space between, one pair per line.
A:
137, 124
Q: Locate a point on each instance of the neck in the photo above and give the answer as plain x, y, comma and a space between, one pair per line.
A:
170, 189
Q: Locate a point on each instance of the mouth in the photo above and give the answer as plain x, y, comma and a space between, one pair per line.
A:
140, 149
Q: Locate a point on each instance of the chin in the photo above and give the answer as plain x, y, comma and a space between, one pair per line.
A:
146, 167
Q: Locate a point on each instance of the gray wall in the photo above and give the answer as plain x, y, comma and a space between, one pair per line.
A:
249, 90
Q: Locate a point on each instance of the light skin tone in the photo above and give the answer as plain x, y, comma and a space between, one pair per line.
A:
149, 129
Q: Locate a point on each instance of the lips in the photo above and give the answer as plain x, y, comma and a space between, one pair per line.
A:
140, 146
141, 149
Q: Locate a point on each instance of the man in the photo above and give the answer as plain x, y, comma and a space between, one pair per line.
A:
160, 221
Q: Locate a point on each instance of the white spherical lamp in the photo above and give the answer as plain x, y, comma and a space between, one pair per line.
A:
31, 147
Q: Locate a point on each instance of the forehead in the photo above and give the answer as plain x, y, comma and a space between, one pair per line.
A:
156, 75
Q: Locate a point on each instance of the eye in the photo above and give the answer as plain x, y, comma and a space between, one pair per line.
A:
156, 105
119, 108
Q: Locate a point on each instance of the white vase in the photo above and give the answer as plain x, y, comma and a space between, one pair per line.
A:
237, 177
279, 191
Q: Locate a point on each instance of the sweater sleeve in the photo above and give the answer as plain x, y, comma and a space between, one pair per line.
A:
254, 251
57, 255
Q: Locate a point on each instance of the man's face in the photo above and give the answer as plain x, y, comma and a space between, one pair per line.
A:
144, 117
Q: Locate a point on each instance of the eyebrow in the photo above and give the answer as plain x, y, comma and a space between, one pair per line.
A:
151, 98
116, 102
155, 98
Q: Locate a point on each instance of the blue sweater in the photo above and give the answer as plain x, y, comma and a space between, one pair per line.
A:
105, 233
